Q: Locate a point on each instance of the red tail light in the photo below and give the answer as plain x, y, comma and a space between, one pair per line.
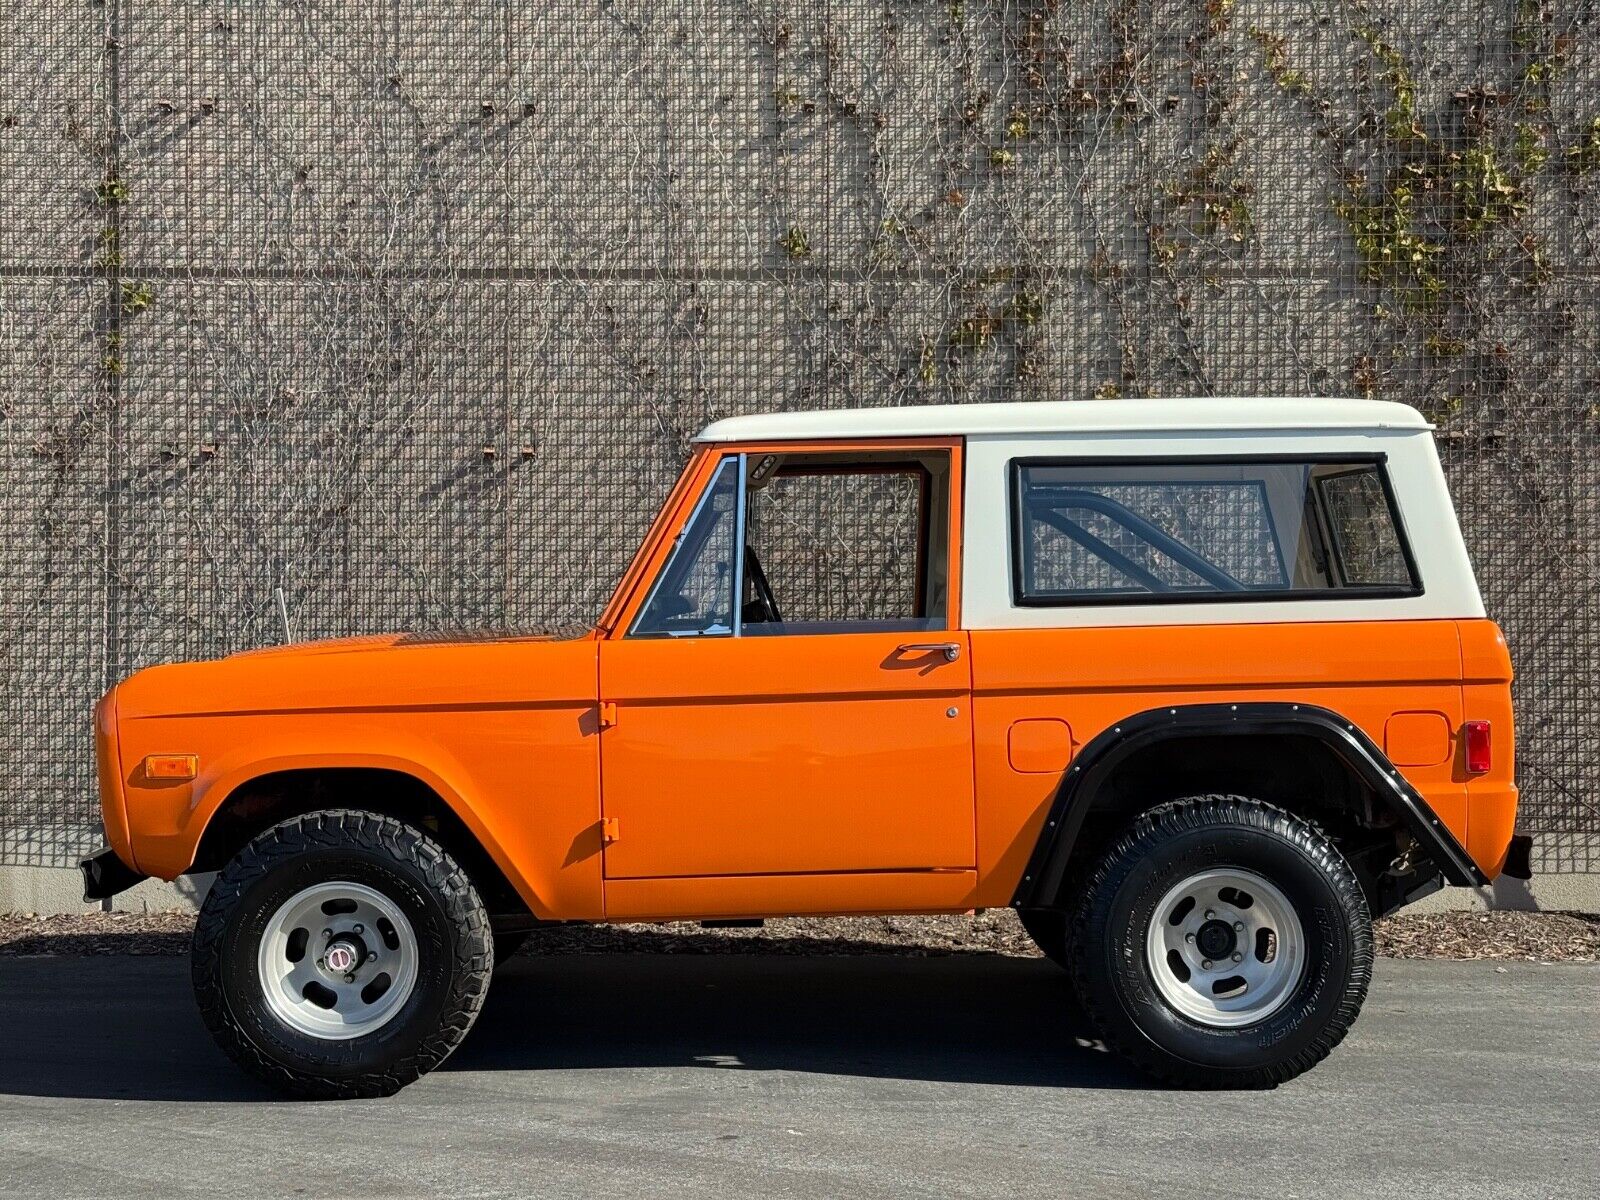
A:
1479, 758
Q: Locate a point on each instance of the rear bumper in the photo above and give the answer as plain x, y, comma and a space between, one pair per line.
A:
105, 875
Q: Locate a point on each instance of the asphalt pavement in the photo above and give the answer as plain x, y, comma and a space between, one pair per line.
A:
773, 1076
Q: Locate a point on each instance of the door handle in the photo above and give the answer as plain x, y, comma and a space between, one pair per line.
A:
950, 650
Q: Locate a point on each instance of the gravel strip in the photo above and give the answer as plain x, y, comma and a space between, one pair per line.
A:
96, 933
1506, 936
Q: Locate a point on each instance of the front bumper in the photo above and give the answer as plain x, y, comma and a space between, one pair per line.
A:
105, 875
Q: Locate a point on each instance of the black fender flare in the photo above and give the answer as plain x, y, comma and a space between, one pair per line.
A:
1042, 878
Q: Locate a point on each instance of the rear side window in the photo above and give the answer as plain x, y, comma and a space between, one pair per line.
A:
1195, 530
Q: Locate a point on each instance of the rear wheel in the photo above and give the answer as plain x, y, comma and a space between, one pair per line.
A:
341, 954
1222, 942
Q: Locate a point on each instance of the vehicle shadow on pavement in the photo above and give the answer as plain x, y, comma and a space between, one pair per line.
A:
117, 1027
968, 1017
125, 1027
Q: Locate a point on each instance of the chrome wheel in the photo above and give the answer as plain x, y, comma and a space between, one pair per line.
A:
337, 961
1225, 948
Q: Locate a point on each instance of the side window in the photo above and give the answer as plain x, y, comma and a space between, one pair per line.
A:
694, 593
840, 543
1366, 545
1174, 530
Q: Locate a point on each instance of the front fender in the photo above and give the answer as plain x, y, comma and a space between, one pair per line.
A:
493, 789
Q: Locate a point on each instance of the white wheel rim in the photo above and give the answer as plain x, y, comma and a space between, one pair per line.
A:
337, 961
1225, 981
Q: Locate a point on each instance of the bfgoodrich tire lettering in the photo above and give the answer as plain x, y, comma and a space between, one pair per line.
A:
447, 918
1183, 839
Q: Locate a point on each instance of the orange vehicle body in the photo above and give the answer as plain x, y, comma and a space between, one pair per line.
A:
617, 779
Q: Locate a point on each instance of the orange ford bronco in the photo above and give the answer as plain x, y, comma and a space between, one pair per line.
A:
1197, 687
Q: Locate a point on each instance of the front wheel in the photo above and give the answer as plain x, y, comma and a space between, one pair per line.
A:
1223, 942
341, 954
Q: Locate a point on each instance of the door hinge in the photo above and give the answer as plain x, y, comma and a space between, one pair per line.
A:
610, 830
608, 713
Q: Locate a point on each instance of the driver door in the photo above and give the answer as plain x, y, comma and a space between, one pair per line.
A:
787, 710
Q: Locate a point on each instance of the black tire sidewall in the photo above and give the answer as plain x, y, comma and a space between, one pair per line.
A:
398, 1039
1328, 928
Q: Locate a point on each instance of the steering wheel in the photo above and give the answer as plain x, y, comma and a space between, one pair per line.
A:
758, 580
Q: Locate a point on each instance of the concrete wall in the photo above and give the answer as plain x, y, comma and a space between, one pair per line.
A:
50, 891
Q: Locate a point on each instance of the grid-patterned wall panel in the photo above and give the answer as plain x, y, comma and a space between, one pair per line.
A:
411, 309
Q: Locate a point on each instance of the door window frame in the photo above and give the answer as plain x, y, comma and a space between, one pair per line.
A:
736, 579
694, 485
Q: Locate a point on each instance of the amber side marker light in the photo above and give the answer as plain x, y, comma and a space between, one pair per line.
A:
171, 766
1478, 756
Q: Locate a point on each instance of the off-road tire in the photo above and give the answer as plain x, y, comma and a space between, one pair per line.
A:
1048, 929
1159, 850
449, 920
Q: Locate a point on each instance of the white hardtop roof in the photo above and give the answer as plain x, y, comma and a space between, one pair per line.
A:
1242, 414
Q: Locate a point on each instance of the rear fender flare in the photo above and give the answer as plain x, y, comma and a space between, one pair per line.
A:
1042, 878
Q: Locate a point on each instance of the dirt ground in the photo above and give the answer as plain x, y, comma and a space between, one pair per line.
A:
1505, 936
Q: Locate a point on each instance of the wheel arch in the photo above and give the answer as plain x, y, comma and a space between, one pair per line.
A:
1319, 743
271, 792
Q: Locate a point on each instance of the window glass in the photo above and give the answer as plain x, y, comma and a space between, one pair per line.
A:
1358, 513
840, 547
694, 593
840, 543
1173, 530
